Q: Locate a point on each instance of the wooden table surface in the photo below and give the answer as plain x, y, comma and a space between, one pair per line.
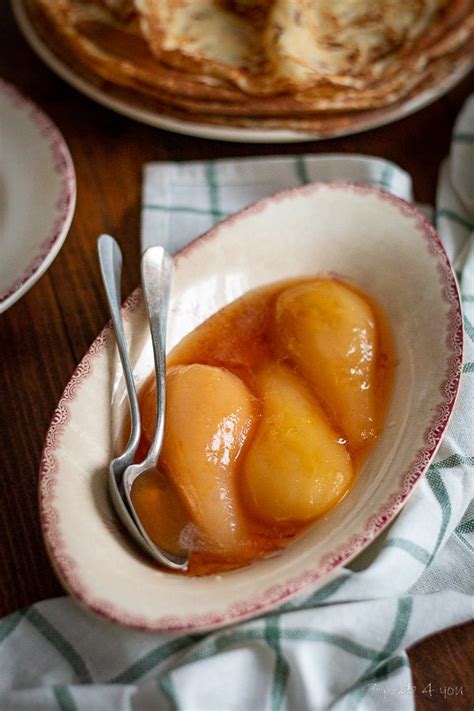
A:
46, 333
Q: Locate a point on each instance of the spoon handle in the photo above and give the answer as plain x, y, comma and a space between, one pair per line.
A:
110, 260
157, 269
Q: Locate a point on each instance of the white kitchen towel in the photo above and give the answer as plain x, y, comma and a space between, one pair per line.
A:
183, 200
343, 647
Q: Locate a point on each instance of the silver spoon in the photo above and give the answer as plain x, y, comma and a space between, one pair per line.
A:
110, 259
157, 269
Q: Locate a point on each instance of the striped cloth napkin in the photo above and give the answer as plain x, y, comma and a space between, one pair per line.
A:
343, 647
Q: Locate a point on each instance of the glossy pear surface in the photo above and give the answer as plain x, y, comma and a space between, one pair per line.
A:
329, 332
209, 414
294, 469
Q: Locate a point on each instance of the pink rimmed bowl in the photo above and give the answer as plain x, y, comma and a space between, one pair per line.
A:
37, 193
381, 243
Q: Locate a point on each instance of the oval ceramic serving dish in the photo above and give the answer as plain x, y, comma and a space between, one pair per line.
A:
379, 242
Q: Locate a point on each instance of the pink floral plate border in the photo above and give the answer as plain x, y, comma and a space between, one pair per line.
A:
64, 208
49, 467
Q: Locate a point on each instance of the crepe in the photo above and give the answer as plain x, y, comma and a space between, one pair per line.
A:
348, 41
203, 37
303, 43
272, 63
121, 8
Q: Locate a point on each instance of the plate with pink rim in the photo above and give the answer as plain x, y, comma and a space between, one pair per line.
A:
379, 242
143, 108
37, 194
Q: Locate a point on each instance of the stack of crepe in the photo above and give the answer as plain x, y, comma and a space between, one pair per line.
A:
309, 65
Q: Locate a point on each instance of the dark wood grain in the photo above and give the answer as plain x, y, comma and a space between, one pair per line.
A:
45, 334
443, 671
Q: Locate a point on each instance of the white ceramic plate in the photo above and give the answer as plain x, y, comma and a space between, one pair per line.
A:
133, 108
376, 240
37, 194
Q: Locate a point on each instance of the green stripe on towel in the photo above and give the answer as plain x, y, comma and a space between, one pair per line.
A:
317, 597
344, 643
212, 184
10, 623
464, 540
281, 671
420, 554
64, 698
442, 497
451, 215
381, 665
167, 687
153, 659
469, 328
385, 179
466, 527
454, 461
56, 639
463, 137
301, 170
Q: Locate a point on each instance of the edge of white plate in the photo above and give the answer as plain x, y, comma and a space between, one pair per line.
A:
66, 201
201, 130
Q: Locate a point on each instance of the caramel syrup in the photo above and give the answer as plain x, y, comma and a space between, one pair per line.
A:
238, 338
